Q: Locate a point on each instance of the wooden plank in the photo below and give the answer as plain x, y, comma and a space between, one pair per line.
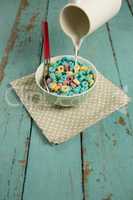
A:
6, 21
21, 57
54, 172
108, 146
130, 5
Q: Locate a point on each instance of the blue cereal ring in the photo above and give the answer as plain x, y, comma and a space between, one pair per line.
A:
51, 69
84, 84
64, 77
53, 77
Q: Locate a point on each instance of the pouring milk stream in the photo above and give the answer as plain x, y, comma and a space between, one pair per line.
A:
80, 18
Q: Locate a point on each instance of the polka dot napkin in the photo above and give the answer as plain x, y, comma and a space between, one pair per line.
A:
60, 124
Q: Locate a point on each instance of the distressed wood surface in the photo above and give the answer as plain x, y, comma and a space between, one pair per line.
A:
93, 166
130, 4
20, 56
60, 167
6, 21
108, 146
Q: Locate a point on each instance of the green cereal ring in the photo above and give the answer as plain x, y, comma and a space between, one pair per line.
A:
81, 78
88, 78
88, 72
77, 90
58, 62
70, 93
64, 77
81, 73
84, 89
58, 74
55, 65
91, 83
72, 64
64, 59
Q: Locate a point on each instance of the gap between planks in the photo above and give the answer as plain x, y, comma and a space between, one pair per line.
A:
117, 68
81, 134
130, 6
12, 38
30, 135
82, 165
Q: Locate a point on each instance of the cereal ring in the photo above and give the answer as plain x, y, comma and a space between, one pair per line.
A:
69, 78
70, 73
67, 67
91, 82
60, 68
76, 81
65, 88
53, 86
52, 76
77, 90
83, 68
76, 68
73, 84
84, 84
51, 69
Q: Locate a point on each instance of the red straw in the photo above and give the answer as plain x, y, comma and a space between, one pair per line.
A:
46, 43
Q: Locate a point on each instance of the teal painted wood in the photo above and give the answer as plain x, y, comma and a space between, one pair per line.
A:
130, 5
108, 146
107, 164
54, 172
22, 54
6, 21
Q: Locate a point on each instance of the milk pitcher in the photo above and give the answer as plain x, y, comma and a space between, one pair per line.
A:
80, 18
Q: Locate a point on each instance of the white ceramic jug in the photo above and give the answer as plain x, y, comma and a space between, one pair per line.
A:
80, 18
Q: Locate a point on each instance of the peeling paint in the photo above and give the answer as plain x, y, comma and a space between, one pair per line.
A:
30, 26
114, 141
87, 171
12, 39
107, 136
109, 197
120, 121
129, 132
24, 4
22, 162
98, 180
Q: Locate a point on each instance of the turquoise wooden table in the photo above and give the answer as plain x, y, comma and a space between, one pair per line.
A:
97, 164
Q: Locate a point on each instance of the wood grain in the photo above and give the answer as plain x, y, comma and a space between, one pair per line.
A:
54, 172
6, 22
130, 5
94, 166
109, 144
23, 58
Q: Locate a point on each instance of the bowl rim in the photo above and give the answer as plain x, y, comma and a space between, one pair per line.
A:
64, 96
